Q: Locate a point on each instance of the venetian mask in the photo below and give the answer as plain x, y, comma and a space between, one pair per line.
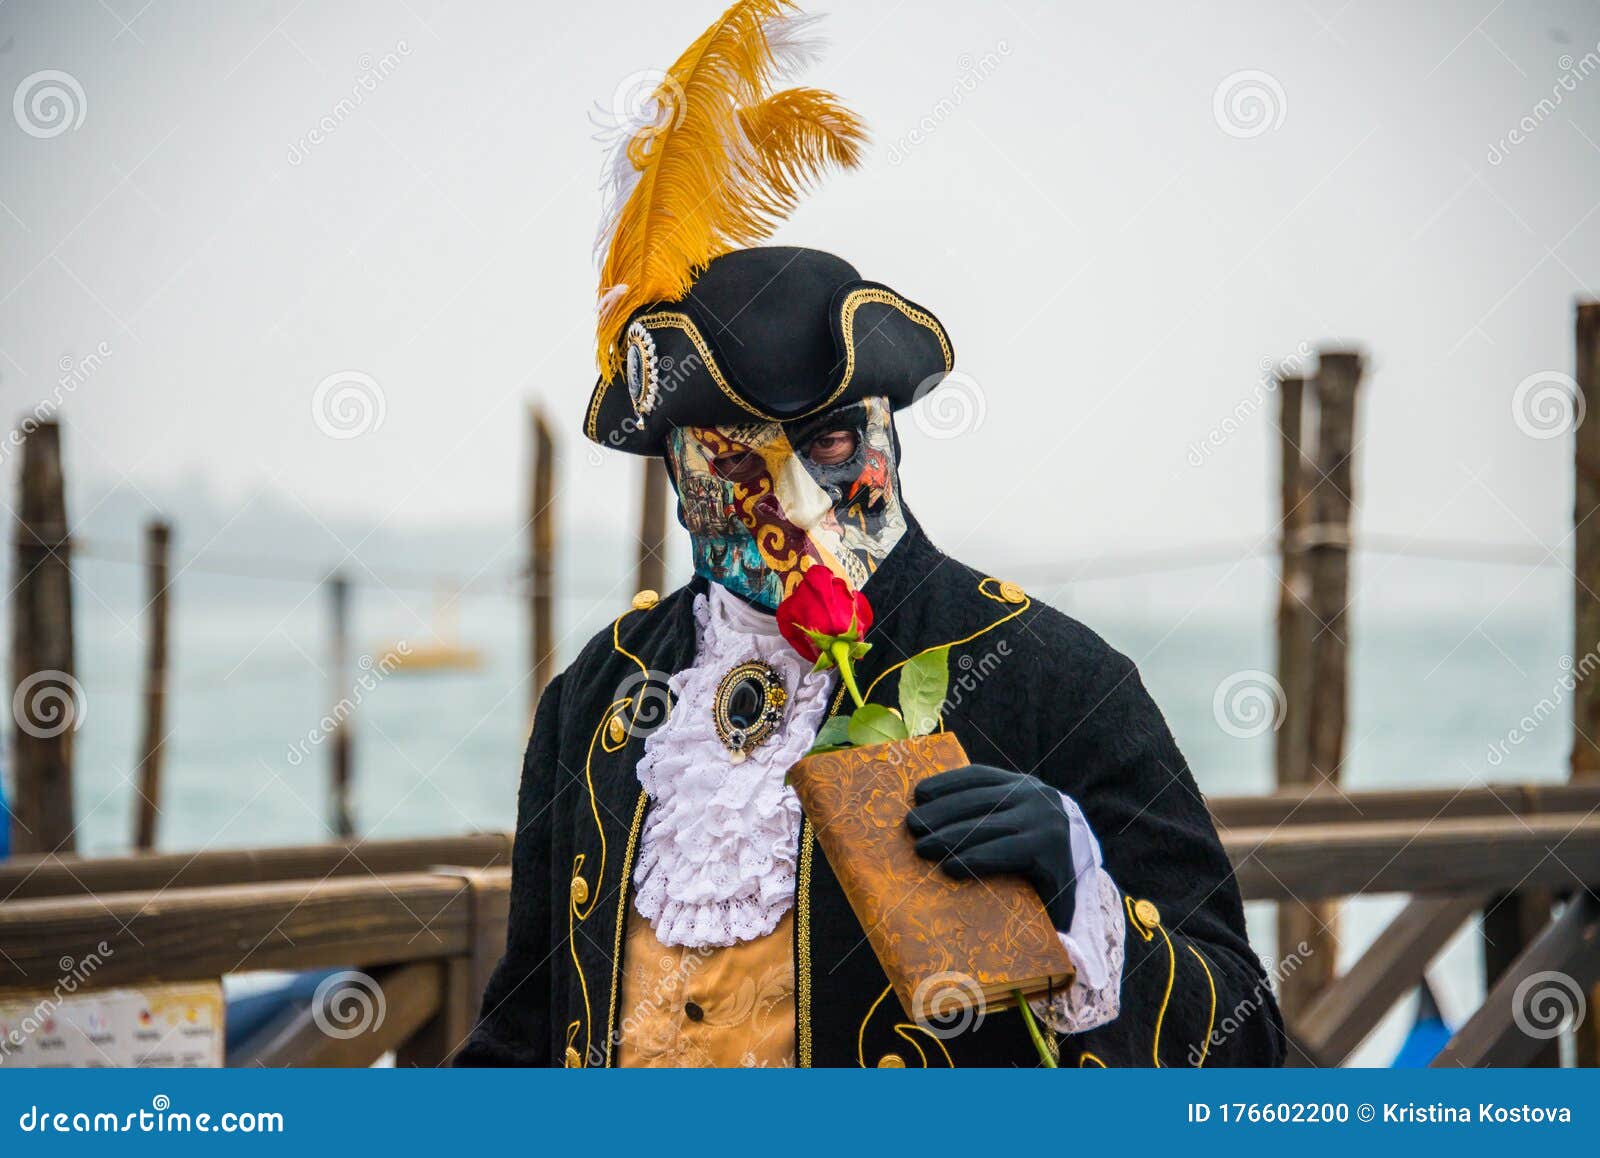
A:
765, 501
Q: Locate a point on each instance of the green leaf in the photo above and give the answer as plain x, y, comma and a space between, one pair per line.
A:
876, 724
923, 683
834, 733
819, 749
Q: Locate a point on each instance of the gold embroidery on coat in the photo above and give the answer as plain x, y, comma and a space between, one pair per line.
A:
903, 1030
1211, 1018
622, 912
1161, 1014
577, 911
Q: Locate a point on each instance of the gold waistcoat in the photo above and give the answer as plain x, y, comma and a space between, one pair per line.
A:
725, 1008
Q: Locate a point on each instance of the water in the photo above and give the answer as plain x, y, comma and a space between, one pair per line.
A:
1435, 690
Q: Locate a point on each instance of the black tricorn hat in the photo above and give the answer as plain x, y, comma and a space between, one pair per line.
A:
772, 334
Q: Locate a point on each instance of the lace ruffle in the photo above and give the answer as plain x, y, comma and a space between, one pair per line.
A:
1096, 948
717, 855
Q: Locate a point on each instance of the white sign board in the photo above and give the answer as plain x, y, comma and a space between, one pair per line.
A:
152, 1026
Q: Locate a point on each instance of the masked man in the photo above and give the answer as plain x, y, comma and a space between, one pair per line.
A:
670, 905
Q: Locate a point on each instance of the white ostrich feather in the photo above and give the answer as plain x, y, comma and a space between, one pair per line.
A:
796, 42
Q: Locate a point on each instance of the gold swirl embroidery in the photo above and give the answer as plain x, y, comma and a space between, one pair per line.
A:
572, 947
1020, 608
861, 1030
577, 911
622, 917
1211, 1018
899, 1030
615, 740
644, 672
901, 1027
903, 1030
1161, 1014
1148, 934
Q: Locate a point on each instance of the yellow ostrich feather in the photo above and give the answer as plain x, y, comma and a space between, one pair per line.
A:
798, 135
720, 163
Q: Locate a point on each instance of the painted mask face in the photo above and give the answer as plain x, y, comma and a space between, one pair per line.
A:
764, 501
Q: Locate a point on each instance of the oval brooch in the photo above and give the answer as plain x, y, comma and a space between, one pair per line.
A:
749, 706
643, 386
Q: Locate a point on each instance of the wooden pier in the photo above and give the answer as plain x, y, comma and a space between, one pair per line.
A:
425, 919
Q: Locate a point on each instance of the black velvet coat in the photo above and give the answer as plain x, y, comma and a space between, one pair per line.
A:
1031, 690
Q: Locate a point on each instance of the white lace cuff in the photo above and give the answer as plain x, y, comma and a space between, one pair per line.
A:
1095, 941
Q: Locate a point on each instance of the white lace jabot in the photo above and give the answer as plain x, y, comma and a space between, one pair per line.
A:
717, 854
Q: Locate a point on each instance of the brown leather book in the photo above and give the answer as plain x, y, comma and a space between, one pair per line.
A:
951, 948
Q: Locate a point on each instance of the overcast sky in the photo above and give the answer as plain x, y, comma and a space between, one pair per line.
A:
1120, 212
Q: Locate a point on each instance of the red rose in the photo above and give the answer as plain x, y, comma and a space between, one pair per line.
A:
821, 610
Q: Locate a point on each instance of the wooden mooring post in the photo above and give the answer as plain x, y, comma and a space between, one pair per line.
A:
1327, 545
1323, 541
1586, 543
541, 552
1295, 923
157, 543
1294, 634
652, 568
341, 817
1586, 592
47, 703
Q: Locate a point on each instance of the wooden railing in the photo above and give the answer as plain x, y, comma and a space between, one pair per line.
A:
1509, 854
425, 919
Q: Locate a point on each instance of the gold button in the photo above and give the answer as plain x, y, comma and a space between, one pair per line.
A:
616, 731
573, 1060
580, 890
1011, 593
645, 600
1149, 916
891, 1061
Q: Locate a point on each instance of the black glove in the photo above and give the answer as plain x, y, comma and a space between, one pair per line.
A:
978, 821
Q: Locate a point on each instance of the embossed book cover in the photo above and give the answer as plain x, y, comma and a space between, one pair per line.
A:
935, 937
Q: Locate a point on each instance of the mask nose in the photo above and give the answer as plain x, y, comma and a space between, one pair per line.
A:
804, 501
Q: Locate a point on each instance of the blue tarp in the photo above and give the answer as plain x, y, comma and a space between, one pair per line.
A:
1429, 1033
248, 1014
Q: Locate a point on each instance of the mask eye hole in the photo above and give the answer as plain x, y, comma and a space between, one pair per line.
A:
738, 465
832, 447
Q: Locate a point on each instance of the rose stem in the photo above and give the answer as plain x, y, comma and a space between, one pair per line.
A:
841, 657
1033, 1030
